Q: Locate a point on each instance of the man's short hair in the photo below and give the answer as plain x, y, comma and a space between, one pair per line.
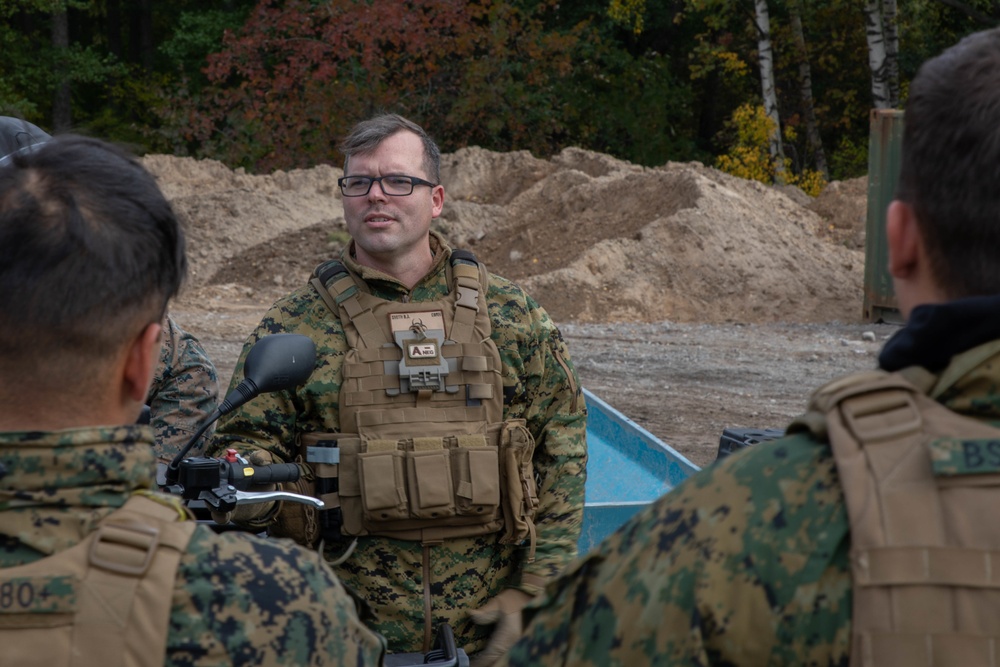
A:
366, 136
90, 252
950, 170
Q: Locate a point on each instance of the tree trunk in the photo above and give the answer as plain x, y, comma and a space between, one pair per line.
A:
891, 23
876, 54
62, 103
805, 88
141, 33
146, 34
766, 57
113, 28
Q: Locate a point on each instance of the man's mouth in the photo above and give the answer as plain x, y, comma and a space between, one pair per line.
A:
378, 220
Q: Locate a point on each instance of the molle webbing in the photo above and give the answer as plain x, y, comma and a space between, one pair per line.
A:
423, 453
104, 602
925, 551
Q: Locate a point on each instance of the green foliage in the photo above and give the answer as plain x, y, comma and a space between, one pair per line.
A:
198, 34
628, 13
275, 83
31, 70
849, 159
631, 107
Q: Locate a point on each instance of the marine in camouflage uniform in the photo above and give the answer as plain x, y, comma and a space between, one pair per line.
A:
185, 386
79, 525
746, 562
753, 560
184, 392
237, 599
540, 386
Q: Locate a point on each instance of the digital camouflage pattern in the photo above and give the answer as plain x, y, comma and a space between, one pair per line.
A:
745, 563
238, 599
540, 385
184, 391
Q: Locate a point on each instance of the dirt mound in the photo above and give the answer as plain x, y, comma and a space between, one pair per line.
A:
593, 238
230, 215
843, 205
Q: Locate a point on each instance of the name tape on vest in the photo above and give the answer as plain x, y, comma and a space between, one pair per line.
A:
38, 595
429, 319
951, 456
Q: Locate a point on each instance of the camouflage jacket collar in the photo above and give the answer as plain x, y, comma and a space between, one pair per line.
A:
385, 286
59, 484
968, 385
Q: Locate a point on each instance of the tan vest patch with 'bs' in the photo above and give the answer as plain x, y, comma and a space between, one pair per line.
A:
922, 485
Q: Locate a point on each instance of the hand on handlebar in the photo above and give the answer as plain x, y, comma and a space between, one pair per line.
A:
253, 514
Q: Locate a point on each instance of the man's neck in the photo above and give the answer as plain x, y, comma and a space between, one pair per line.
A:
58, 414
409, 269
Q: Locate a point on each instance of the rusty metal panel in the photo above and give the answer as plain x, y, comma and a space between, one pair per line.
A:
884, 151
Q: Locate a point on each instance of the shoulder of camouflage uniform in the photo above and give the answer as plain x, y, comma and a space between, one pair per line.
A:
300, 612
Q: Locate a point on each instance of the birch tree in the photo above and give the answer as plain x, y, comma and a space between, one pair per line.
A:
765, 58
891, 26
877, 55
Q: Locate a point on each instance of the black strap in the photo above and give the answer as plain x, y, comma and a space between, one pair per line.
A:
327, 270
463, 256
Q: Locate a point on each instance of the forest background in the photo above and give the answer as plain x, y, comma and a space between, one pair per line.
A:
775, 90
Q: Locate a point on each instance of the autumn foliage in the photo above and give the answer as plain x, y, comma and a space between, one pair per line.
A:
285, 88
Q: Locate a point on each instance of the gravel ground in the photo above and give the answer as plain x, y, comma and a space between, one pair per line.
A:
684, 383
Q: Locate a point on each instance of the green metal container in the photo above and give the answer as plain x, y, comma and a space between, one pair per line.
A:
884, 149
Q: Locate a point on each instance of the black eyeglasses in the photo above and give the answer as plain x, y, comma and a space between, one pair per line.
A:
397, 186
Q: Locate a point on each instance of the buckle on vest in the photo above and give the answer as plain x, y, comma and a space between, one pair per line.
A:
124, 548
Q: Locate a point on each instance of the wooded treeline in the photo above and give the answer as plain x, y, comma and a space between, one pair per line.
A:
783, 87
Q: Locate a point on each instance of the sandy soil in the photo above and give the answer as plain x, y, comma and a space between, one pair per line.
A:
692, 301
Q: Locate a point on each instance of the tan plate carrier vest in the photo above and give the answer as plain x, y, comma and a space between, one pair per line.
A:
102, 603
922, 487
424, 453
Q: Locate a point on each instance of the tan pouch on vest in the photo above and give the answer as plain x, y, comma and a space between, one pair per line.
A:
451, 486
105, 602
518, 479
414, 484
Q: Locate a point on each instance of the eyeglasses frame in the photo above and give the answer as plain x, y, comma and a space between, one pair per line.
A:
414, 182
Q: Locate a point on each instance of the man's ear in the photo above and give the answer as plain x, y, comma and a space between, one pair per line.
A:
437, 200
903, 239
140, 362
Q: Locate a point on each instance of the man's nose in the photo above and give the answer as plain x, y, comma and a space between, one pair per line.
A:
379, 195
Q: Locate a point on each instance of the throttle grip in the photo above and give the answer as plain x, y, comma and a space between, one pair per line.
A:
275, 473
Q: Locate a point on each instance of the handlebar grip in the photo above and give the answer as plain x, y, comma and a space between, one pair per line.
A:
275, 473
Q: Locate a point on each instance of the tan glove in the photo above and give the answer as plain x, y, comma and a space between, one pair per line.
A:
252, 514
505, 611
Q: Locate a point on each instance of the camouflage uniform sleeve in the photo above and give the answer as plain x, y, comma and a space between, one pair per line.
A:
272, 421
241, 600
542, 387
744, 563
184, 391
